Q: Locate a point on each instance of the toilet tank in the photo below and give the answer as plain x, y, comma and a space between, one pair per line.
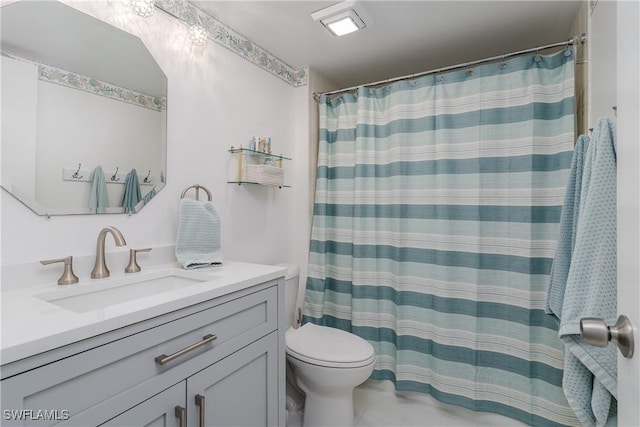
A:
291, 279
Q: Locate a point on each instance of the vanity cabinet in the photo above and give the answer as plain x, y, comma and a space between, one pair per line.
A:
227, 351
228, 393
161, 410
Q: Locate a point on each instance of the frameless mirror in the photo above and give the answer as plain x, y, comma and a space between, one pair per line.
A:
78, 93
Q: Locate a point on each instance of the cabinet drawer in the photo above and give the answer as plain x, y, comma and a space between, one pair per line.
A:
106, 379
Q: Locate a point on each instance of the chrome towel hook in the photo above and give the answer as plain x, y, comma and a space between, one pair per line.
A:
115, 177
76, 174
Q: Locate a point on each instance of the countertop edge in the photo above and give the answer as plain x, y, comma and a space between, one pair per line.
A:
12, 352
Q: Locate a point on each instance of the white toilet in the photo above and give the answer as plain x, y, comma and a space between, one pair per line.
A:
327, 364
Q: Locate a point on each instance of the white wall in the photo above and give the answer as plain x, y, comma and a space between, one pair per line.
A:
215, 100
602, 61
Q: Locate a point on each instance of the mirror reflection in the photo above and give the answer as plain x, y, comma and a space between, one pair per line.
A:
83, 112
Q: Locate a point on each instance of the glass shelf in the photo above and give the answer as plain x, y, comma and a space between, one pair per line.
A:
257, 153
257, 156
258, 183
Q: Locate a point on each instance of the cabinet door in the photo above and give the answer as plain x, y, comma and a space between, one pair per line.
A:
239, 390
158, 411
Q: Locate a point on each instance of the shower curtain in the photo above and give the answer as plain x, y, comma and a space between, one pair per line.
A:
436, 212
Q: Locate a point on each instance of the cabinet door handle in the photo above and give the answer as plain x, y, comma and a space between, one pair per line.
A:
163, 358
200, 405
181, 416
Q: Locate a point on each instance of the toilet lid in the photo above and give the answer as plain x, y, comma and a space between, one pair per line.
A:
322, 345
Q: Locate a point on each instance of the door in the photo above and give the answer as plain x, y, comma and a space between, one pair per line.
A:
628, 158
239, 390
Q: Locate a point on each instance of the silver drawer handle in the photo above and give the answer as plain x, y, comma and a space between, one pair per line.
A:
163, 358
181, 415
200, 405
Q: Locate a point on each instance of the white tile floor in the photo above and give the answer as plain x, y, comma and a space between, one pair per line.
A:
377, 404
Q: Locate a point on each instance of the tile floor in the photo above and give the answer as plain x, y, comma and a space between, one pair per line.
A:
376, 404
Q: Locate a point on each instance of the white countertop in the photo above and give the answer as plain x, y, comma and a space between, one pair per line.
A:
31, 325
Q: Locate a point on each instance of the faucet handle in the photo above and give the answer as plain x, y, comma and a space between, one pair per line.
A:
67, 278
133, 266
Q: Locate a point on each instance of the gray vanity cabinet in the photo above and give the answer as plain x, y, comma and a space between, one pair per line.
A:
228, 351
229, 393
158, 411
219, 394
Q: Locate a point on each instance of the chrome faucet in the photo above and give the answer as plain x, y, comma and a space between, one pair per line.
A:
100, 269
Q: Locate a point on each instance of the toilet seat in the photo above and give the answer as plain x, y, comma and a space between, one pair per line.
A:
330, 347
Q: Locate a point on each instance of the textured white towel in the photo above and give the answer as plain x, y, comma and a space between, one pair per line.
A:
590, 375
198, 243
568, 226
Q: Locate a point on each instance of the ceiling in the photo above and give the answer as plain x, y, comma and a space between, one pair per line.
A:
406, 37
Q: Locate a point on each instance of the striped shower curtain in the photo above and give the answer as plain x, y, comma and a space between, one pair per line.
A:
436, 212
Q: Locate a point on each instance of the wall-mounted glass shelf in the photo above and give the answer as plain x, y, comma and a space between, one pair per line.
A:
258, 183
254, 172
257, 153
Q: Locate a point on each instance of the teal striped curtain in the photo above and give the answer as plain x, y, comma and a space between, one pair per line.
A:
435, 223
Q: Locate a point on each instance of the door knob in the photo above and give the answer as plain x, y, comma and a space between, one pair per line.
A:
595, 332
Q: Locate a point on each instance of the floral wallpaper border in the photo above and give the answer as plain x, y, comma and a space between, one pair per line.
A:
238, 44
94, 86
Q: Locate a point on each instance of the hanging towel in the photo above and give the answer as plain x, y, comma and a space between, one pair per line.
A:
198, 242
98, 198
589, 380
568, 224
132, 194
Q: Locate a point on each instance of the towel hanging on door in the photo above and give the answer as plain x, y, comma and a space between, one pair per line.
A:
590, 373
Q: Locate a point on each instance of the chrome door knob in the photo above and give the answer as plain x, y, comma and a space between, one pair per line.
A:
595, 332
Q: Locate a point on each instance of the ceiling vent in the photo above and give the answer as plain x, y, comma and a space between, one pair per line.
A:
343, 18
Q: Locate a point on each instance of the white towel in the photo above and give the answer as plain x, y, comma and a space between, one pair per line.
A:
198, 243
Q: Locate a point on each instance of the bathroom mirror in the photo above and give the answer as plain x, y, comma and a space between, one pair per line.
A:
78, 93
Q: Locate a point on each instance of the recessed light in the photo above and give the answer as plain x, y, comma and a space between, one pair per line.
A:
344, 23
343, 18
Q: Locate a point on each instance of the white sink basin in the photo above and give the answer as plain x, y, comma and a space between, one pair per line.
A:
101, 293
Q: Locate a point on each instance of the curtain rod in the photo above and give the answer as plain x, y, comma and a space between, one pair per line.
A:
582, 39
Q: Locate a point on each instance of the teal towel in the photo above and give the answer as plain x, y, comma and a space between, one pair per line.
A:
198, 243
568, 224
98, 198
589, 379
132, 194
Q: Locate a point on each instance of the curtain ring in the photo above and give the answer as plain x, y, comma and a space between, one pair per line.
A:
502, 64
